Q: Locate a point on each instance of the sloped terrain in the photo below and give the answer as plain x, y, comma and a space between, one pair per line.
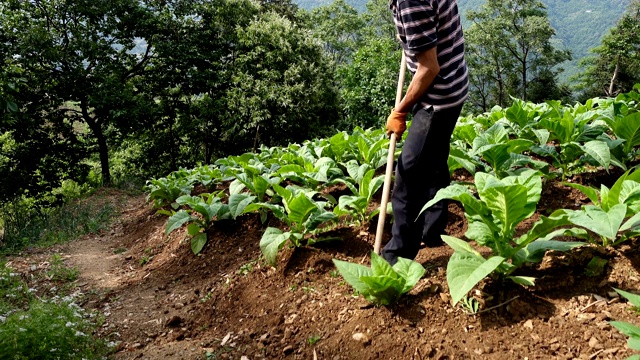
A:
161, 301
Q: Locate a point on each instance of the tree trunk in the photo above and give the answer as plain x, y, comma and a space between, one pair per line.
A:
103, 150
614, 78
524, 80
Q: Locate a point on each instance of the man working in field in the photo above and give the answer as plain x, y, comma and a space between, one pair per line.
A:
431, 36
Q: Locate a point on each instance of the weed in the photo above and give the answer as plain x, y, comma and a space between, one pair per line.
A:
25, 224
313, 339
334, 273
293, 287
60, 272
120, 250
595, 267
247, 268
145, 259
207, 297
470, 305
39, 328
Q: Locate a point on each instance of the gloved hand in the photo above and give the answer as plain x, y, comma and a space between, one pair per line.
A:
396, 123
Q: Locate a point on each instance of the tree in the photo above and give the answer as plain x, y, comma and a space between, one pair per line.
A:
340, 27
514, 34
615, 66
78, 63
368, 83
282, 88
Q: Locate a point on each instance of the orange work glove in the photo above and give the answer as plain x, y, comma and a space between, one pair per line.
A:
396, 123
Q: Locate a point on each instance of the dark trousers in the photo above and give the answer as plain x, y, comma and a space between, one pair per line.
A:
422, 170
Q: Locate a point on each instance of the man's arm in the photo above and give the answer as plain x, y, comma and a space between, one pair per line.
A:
428, 69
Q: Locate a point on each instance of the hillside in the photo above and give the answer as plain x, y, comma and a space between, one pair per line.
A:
580, 24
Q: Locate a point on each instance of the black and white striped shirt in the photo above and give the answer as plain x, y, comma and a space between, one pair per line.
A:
424, 24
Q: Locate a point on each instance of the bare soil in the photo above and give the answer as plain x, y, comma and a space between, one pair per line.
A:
162, 302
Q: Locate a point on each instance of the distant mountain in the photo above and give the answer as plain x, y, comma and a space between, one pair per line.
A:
579, 24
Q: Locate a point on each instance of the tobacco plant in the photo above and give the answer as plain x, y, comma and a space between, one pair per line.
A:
606, 216
500, 205
202, 211
382, 284
363, 185
630, 330
301, 214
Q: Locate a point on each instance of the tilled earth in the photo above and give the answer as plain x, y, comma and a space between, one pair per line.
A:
162, 302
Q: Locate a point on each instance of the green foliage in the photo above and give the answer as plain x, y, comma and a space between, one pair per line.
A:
493, 217
301, 214
32, 328
26, 224
630, 330
614, 66
381, 284
606, 217
202, 211
510, 46
369, 81
281, 89
364, 186
60, 272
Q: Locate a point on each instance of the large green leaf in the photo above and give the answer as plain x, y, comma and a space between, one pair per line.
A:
632, 331
508, 205
382, 289
272, 241
464, 271
198, 242
535, 250
599, 150
606, 224
176, 221
300, 208
628, 128
352, 273
634, 299
238, 203
410, 271
318, 218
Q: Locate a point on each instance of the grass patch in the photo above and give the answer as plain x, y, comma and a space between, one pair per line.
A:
24, 225
39, 328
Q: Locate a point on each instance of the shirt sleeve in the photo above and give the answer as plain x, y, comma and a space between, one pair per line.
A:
419, 19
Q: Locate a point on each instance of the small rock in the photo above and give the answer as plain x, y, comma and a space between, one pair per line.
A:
128, 257
263, 338
290, 319
528, 324
444, 297
34, 267
225, 339
287, 350
554, 347
362, 338
594, 343
137, 346
244, 358
178, 305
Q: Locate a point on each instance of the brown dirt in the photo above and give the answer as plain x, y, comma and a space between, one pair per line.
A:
161, 301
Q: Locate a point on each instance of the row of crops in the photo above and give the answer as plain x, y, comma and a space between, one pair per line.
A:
510, 153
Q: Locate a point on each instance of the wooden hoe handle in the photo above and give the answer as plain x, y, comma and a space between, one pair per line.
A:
387, 178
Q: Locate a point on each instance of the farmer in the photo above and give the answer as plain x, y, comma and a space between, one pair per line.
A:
431, 37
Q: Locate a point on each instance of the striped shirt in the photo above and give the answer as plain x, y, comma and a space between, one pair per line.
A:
424, 24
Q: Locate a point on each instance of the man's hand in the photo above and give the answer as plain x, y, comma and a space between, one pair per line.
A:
396, 123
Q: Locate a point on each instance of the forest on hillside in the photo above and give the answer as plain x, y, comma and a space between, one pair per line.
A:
579, 24
99, 94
